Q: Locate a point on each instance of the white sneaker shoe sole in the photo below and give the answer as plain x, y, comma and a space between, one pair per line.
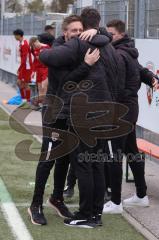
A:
107, 210
113, 212
136, 202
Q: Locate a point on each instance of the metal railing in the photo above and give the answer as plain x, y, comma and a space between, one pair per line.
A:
141, 16
32, 24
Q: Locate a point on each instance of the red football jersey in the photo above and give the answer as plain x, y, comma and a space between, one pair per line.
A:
25, 68
36, 52
38, 67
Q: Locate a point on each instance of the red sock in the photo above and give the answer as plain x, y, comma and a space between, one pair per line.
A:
27, 91
22, 93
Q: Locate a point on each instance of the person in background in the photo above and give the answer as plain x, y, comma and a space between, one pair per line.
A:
125, 47
40, 71
118, 31
50, 29
48, 36
25, 69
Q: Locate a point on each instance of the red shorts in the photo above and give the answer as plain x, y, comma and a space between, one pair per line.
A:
25, 75
41, 74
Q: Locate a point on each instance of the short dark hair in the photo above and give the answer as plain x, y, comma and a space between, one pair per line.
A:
18, 32
48, 27
90, 18
118, 25
46, 38
70, 19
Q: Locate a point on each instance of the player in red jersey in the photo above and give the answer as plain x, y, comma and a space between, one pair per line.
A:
39, 69
25, 69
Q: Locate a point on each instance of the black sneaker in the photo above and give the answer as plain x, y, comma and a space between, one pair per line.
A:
98, 220
79, 221
60, 207
36, 215
68, 192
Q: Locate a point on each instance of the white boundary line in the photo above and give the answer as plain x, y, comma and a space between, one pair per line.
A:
12, 215
139, 227
9, 210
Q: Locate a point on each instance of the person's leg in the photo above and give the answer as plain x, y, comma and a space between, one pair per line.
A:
42, 80
27, 80
21, 86
99, 191
107, 195
27, 92
60, 173
106, 174
98, 178
99, 186
137, 164
116, 147
61, 166
42, 173
71, 178
116, 169
56, 200
83, 171
71, 182
91, 185
44, 86
90, 175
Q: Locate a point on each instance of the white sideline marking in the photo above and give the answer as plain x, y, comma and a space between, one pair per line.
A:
12, 215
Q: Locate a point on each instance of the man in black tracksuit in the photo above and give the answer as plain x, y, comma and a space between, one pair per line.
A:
72, 27
125, 48
103, 80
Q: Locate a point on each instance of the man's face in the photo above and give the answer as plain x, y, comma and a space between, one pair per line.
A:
50, 31
18, 37
74, 29
115, 34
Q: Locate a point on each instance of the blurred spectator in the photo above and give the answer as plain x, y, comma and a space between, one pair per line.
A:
40, 71
25, 69
50, 29
48, 36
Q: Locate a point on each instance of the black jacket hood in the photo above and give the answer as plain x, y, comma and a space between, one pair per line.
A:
127, 44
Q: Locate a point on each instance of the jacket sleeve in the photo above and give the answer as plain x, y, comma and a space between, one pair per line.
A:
64, 55
132, 76
146, 75
78, 74
103, 31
